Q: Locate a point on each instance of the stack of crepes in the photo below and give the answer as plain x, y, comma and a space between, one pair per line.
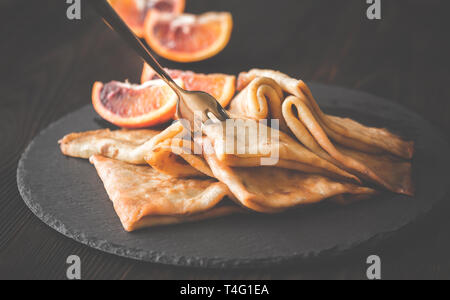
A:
321, 157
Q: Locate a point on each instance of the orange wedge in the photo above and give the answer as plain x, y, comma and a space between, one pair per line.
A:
188, 38
134, 106
220, 86
134, 12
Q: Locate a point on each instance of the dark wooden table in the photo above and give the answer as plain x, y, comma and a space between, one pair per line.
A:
49, 63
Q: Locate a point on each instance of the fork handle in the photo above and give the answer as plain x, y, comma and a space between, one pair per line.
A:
115, 22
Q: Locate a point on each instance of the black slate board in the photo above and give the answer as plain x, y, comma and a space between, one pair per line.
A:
67, 194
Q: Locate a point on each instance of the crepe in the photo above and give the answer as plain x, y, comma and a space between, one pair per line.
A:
259, 100
172, 152
305, 120
271, 189
261, 189
345, 131
124, 145
307, 130
143, 197
261, 146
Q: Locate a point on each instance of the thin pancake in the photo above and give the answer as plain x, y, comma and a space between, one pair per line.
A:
344, 131
263, 189
135, 147
270, 190
260, 100
392, 169
166, 151
172, 152
260, 145
143, 197
390, 173
123, 145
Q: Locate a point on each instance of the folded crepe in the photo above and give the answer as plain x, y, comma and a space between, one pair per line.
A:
124, 145
345, 131
261, 99
271, 189
369, 153
262, 189
169, 149
261, 145
143, 197
172, 152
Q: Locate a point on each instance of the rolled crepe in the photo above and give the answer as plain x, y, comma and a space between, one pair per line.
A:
143, 197
344, 131
310, 133
368, 161
259, 100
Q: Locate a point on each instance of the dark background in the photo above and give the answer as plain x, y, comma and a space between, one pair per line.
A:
49, 63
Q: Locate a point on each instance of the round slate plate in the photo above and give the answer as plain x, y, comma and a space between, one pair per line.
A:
67, 194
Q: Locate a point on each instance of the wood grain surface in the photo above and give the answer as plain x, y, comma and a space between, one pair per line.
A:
49, 63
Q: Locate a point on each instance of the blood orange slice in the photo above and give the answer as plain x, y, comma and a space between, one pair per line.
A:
134, 106
220, 86
188, 38
134, 12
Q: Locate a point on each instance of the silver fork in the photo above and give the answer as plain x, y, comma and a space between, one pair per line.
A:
191, 106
